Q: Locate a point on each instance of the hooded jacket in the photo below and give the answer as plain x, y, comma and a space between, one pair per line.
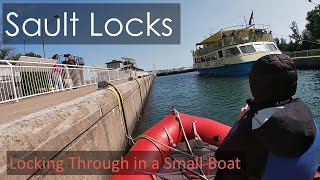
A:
273, 141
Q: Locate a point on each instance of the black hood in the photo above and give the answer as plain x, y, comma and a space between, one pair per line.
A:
273, 78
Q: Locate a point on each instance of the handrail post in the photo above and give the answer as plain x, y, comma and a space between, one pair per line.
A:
108, 74
96, 74
13, 82
68, 75
89, 74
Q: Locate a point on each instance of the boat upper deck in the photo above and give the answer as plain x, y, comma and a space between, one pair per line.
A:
232, 37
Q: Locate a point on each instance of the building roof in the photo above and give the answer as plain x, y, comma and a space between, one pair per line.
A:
128, 59
114, 61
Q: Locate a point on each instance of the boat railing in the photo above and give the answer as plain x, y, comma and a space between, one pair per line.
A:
243, 26
234, 40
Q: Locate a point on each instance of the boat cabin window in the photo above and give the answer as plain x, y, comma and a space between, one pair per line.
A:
220, 54
232, 52
244, 50
251, 49
247, 49
214, 56
219, 44
272, 47
260, 47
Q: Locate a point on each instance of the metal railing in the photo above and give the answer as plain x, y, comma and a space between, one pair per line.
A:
234, 40
303, 53
23, 79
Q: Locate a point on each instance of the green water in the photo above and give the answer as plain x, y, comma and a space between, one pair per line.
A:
218, 98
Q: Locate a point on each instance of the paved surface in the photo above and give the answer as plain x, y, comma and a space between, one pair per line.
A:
13, 110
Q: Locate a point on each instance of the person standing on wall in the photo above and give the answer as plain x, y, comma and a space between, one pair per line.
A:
56, 74
73, 70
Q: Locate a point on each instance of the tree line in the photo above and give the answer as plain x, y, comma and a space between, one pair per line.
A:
8, 53
309, 38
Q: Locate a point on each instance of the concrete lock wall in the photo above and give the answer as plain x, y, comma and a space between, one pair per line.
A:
89, 123
307, 62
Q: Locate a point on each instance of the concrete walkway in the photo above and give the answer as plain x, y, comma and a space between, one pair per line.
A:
14, 110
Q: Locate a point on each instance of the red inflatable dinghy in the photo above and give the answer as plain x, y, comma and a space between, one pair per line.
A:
168, 131
166, 134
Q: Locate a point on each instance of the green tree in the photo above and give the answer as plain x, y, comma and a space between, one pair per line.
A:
281, 43
6, 52
292, 46
15, 56
313, 23
295, 46
277, 41
295, 32
30, 54
307, 42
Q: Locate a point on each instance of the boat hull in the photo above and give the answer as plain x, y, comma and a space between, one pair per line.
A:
228, 70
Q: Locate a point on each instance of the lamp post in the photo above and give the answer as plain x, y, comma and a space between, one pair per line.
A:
315, 4
54, 18
312, 2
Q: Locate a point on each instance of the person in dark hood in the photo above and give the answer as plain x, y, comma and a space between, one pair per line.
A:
276, 136
73, 69
70, 60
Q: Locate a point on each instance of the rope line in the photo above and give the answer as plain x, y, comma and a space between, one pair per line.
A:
186, 139
121, 109
155, 142
140, 95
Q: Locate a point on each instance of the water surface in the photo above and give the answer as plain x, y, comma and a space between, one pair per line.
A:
218, 98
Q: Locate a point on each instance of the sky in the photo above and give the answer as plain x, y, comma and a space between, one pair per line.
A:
198, 19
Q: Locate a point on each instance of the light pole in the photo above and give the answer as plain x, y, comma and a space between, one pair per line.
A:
312, 2
54, 18
315, 4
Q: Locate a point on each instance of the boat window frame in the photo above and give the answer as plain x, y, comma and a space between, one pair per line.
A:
220, 54
231, 55
213, 56
246, 46
272, 44
252, 48
259, 44
207, 58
